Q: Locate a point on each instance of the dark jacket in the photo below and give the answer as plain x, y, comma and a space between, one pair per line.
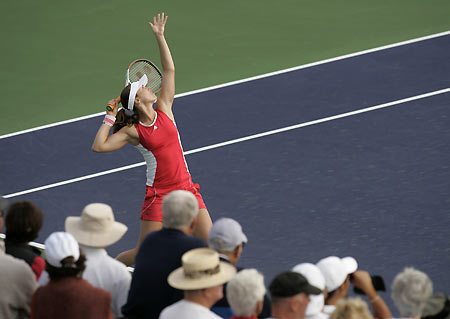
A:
160, 253
31, 255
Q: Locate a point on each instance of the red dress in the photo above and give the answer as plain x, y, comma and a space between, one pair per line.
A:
167, 170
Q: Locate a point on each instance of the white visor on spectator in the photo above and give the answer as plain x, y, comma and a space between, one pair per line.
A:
135, 86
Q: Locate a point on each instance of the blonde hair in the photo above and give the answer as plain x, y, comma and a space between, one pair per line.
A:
351, 308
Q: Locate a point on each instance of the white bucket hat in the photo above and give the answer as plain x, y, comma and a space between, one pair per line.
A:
335, 270
201, 269
96, 227
60, 245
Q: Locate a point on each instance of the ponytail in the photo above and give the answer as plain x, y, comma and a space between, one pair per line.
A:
125, 117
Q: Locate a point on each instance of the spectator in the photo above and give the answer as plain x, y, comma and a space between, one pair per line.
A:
290, 293
337, 273
410, 291
67, 295
437, 307
95, 230
3, 207
316, 302
159, 254
17, 281
23, 222
201, 278
245, 294
351, 308
227, 238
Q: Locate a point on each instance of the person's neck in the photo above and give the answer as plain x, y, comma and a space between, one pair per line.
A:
333, 300
230, 257
198, 299
147, 114
285, 315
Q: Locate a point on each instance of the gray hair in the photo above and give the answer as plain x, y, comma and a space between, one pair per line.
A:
410, 291
244, 291
179, 209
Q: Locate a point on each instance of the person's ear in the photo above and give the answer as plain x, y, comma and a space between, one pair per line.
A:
237, 251
193, 224
259, 307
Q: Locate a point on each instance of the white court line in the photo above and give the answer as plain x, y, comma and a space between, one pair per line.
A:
238, 140
385, 47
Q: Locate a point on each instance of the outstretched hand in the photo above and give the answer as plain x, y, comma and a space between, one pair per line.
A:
158, 24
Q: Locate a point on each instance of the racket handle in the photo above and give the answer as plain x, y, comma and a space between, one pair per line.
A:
111, 107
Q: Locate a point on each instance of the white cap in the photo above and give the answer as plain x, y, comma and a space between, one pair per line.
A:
315, 278
60, 245
335, 270
226, 234
135, 86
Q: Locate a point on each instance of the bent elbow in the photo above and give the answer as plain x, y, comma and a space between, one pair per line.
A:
96, 149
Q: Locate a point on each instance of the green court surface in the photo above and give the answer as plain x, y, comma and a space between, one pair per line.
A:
65, 59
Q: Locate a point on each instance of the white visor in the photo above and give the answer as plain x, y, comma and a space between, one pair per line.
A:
135, 86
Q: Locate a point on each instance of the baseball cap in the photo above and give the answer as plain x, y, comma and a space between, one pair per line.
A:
291, 283
226, 234
314, 276
335, 270
60, 245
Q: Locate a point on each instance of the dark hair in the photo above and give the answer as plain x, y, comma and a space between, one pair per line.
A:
23, 222
70, 268
122, 118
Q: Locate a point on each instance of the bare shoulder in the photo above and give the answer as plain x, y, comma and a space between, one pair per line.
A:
131, 134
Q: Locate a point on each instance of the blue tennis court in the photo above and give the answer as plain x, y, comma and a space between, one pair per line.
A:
317, 181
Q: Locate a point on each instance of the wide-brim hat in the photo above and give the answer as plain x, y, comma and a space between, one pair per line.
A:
96, 227
201, 268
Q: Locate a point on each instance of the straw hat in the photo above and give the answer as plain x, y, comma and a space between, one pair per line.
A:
96, 227
201, 269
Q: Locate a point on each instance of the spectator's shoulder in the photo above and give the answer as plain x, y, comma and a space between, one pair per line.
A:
197, 242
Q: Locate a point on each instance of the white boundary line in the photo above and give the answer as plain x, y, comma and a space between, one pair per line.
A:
385, 47
238, 140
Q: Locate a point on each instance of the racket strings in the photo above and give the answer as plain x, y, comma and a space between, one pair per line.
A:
138, 69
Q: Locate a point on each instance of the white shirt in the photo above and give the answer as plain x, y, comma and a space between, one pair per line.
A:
104, 272
184, 309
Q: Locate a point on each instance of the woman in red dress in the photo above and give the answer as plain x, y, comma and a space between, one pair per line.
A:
149, 125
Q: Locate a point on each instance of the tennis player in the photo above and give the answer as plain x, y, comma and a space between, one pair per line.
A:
152, 130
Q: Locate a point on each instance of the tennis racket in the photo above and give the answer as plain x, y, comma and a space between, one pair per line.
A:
136, 70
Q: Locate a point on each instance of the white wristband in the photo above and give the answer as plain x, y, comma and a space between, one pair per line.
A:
109, 120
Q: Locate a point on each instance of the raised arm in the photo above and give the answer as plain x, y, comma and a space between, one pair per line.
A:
363, 281
167, 93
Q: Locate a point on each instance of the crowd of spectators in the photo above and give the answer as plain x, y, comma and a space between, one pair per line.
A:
177, 275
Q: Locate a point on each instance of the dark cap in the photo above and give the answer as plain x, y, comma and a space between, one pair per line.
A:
290, 283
